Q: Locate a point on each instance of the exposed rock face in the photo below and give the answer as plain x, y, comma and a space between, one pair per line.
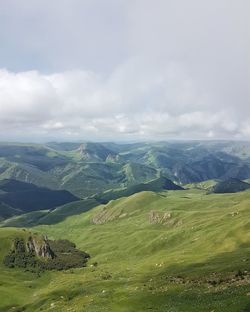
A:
156, 217
105, 216
40, 247
95, 152
164, 218
83, 152
108, 215
112, 158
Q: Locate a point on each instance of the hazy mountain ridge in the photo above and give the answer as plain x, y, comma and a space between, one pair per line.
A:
89, 168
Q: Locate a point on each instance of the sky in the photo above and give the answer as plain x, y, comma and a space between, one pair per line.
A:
124, 70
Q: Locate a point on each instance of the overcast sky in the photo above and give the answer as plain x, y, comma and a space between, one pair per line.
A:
124, 69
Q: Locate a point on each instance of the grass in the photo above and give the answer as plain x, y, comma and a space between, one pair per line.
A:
144, 266
204, 185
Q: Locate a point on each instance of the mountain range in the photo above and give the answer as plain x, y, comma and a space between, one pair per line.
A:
90, 168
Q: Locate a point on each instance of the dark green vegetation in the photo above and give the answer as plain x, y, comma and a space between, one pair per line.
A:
36, 254
18, 197
153, 245
230, 186
66, 256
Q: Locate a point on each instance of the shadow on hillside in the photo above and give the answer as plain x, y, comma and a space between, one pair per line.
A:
63, 212
53, 216
223, 264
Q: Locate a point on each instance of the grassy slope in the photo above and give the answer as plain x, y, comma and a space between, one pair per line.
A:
50, 216
135, 258
155, 185
16, 286
204, 185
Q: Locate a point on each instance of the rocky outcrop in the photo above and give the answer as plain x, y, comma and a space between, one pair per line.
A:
36, 253
108, 215
156, 217
164, 218
40, 247
105, 216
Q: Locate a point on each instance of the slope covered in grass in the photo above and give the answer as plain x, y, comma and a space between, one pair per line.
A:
60, 213
156, 185
49, 216
181, 251
204, 185
24, 197
7, 211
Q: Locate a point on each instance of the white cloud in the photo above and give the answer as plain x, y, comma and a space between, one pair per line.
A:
135, 101
158, 69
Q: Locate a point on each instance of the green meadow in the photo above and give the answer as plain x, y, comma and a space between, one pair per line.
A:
173, 251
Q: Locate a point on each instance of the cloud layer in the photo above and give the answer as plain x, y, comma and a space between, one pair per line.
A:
156, 70
131, 103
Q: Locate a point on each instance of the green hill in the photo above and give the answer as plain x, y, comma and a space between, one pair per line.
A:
157, 185
181, 251
60, 213
49, 216
154, 246
230, 186
23, 219
24, 197
7, 211
204, 185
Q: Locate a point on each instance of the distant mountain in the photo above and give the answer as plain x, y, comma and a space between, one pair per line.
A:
63, 146
85, 169
96, 152
18, 197
231, 185
36, 155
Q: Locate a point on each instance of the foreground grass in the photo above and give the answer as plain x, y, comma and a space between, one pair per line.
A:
143, 266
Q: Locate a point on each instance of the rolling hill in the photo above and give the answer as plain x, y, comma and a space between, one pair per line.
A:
56, 215
157, 185
18, 197
182, 251
60, 213
154, 245
230, 186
